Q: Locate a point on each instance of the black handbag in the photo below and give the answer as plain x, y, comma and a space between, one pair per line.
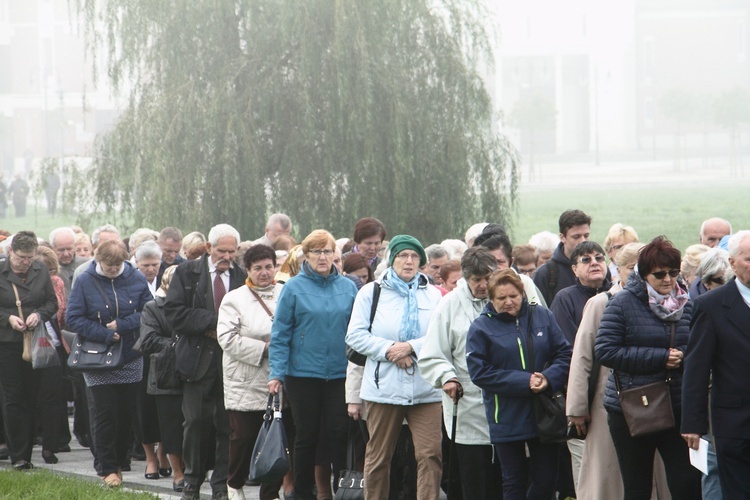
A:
163, 364
549, 407
270, 460
648, 408
351, 354
351, 481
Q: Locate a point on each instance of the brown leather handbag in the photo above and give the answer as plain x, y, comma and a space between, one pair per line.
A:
648, 408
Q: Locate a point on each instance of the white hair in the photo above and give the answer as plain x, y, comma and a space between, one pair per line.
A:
733, 246
147, 250
545, 241
435, 251
222, 231
59, 231
473, 232
106, 228
281, 219
455, 248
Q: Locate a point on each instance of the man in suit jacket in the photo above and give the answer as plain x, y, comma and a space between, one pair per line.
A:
719, 347
192, 306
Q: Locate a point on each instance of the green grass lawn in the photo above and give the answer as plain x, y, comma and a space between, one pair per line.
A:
37, 221
674, 212
44, 484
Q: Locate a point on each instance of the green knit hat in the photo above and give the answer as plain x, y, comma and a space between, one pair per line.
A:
403, 242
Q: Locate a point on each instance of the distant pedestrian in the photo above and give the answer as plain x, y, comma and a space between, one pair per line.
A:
18, 192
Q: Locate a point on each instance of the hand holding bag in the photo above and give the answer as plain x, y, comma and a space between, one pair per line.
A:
648, 409
270, 460
549, 407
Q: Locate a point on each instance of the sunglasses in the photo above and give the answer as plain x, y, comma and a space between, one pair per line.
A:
587, 260
673, 273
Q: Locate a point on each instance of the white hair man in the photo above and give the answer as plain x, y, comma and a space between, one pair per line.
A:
277, 225
713, 230
63, 241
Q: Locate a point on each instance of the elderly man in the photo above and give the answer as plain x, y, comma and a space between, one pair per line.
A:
277, 225
713, 230
170, 241
192, 306
442, 362
63, 241
718, 351
436, 257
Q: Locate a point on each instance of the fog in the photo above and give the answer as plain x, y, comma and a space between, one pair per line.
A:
577, 84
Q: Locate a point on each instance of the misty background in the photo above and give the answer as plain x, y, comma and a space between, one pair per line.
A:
606, 94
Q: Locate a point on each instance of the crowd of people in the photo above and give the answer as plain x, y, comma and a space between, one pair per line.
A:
419, 365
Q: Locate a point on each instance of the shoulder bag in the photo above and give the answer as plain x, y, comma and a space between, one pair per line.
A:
88, 355
27, 334
648, 408
270, 459
351, 481
549, 407
351, 354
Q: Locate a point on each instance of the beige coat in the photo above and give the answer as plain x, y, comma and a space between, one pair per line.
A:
600, 472
243, 329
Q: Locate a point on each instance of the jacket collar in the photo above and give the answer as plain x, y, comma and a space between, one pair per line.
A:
13, 277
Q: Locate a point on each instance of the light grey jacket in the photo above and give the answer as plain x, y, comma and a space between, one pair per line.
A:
443, 358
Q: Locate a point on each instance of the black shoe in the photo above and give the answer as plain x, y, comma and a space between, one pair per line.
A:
84, 440
165, 471
4, 453
49, 457
190, 492
220, 495
23, 465
64, 449
178, 486
151, 475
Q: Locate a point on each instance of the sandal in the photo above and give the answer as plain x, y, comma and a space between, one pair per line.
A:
112, 481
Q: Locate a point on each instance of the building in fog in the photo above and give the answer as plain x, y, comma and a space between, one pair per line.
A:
42, 84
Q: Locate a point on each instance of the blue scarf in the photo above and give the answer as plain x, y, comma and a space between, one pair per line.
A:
409, 329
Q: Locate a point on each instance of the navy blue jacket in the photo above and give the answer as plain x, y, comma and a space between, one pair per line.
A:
635, 342
496, 356
568, 306
564, 276
88, 312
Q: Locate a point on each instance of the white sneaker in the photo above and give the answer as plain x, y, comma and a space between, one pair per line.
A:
235, 494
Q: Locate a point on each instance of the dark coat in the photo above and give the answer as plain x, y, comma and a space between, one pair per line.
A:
554, 275
190, 310
91, 307
719, 345
36, 294
635, 342
496, 348
156, 335
568, 306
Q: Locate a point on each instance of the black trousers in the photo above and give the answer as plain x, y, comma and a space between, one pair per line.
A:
515, 466
636, 459
205, 444
481, 473
18, 388
51, 405
733, 456
171, 421
314, 400
112, 421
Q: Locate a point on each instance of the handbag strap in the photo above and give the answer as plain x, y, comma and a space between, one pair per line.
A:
672, 331
262, 303
18, 302
374, 307
105, 296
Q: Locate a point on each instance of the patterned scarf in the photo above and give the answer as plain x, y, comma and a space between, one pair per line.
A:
409, 329
266, 292
667, 307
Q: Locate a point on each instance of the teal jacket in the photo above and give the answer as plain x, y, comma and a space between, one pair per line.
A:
309, 326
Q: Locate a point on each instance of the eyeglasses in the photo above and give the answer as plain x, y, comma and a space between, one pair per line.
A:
587, 260
660, 275
319, 251
719, 280
407, 256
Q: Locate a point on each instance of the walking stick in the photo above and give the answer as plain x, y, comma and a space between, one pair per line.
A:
452, 454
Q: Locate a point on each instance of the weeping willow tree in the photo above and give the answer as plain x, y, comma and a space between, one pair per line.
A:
325, 110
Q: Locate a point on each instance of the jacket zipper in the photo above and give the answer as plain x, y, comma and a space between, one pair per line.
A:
520, 347
117, 304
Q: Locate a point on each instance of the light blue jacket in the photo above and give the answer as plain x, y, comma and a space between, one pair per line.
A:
309, 326
383, 381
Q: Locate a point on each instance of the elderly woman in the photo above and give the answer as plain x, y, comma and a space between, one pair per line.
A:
27, 298
498, 348
244, 334
369, 234
586, 384
105, 306
392, 386
689, 265
617, 237
714, 270
443, 364
634, 340
157, 335
307, 355
83, 246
